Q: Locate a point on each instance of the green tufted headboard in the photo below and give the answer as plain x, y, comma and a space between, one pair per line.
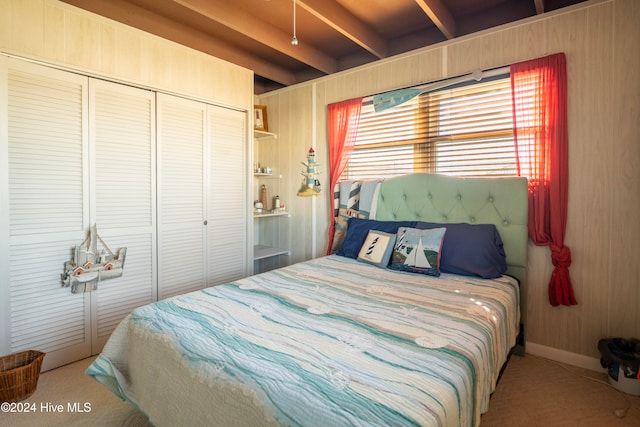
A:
446, 199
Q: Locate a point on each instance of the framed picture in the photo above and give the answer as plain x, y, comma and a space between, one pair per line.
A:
260, 118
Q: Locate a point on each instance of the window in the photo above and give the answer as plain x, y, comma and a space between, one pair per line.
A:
464, 131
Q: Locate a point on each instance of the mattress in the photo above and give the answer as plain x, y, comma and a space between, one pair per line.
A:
326, 342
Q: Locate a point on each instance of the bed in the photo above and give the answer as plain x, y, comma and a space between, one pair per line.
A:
341, 340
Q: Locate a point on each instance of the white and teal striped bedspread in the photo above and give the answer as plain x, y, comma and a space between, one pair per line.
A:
328, 342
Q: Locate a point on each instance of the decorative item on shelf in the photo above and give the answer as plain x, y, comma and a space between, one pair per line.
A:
311, 185
259, 170
258, 206
88, 266
263, 196
260, 118
276, 203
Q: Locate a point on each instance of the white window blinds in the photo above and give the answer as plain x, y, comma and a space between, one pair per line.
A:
464, 131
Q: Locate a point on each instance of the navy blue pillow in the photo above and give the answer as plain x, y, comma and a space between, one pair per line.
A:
358, 228
471, 249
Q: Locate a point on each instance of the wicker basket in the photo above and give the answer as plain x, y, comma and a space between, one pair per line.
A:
19, 374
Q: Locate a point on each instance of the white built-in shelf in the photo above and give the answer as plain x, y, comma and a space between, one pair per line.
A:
262, 252
264, 135
270, 233
268, 214
267, 175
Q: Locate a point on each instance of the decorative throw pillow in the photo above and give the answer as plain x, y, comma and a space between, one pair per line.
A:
359, 228
471, 249
418, 251
342, 223
377, 248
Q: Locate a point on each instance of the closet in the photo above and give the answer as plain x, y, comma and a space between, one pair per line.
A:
202, 207
158, 174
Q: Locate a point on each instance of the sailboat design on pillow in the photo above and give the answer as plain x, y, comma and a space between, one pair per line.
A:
417, 257
418, 251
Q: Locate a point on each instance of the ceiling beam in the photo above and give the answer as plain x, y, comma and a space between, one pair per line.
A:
440, 15
142, 19
243, 22
539, 6
338, 18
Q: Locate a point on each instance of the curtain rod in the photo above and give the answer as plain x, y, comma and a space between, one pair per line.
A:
476, 75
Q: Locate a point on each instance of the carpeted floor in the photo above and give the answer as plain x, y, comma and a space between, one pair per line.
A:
532, 392
539, 392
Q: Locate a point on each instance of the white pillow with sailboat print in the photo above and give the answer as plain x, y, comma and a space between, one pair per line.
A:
418, 251
377, 248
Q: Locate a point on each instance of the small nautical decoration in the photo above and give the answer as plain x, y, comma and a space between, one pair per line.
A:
89, 266
263, 196
311, 185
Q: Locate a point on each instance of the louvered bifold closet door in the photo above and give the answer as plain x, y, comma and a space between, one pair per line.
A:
44, 213
181, 220
122, 129
227, 201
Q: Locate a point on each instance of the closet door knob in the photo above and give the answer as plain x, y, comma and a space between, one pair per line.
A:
205, 222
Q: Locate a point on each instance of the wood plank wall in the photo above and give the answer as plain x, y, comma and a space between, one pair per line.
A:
60, 34
602, 42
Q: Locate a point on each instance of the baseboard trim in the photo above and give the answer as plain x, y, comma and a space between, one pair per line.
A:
563, 356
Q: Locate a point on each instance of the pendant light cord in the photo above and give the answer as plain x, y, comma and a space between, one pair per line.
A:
294, 39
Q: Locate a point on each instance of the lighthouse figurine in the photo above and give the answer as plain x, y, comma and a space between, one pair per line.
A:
311, 186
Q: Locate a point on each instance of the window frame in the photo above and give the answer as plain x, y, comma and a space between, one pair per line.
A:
426, 141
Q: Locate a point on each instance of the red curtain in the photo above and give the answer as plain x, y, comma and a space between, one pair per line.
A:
539, 98
342, 123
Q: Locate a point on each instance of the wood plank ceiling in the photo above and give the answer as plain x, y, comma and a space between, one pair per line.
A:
333, 35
